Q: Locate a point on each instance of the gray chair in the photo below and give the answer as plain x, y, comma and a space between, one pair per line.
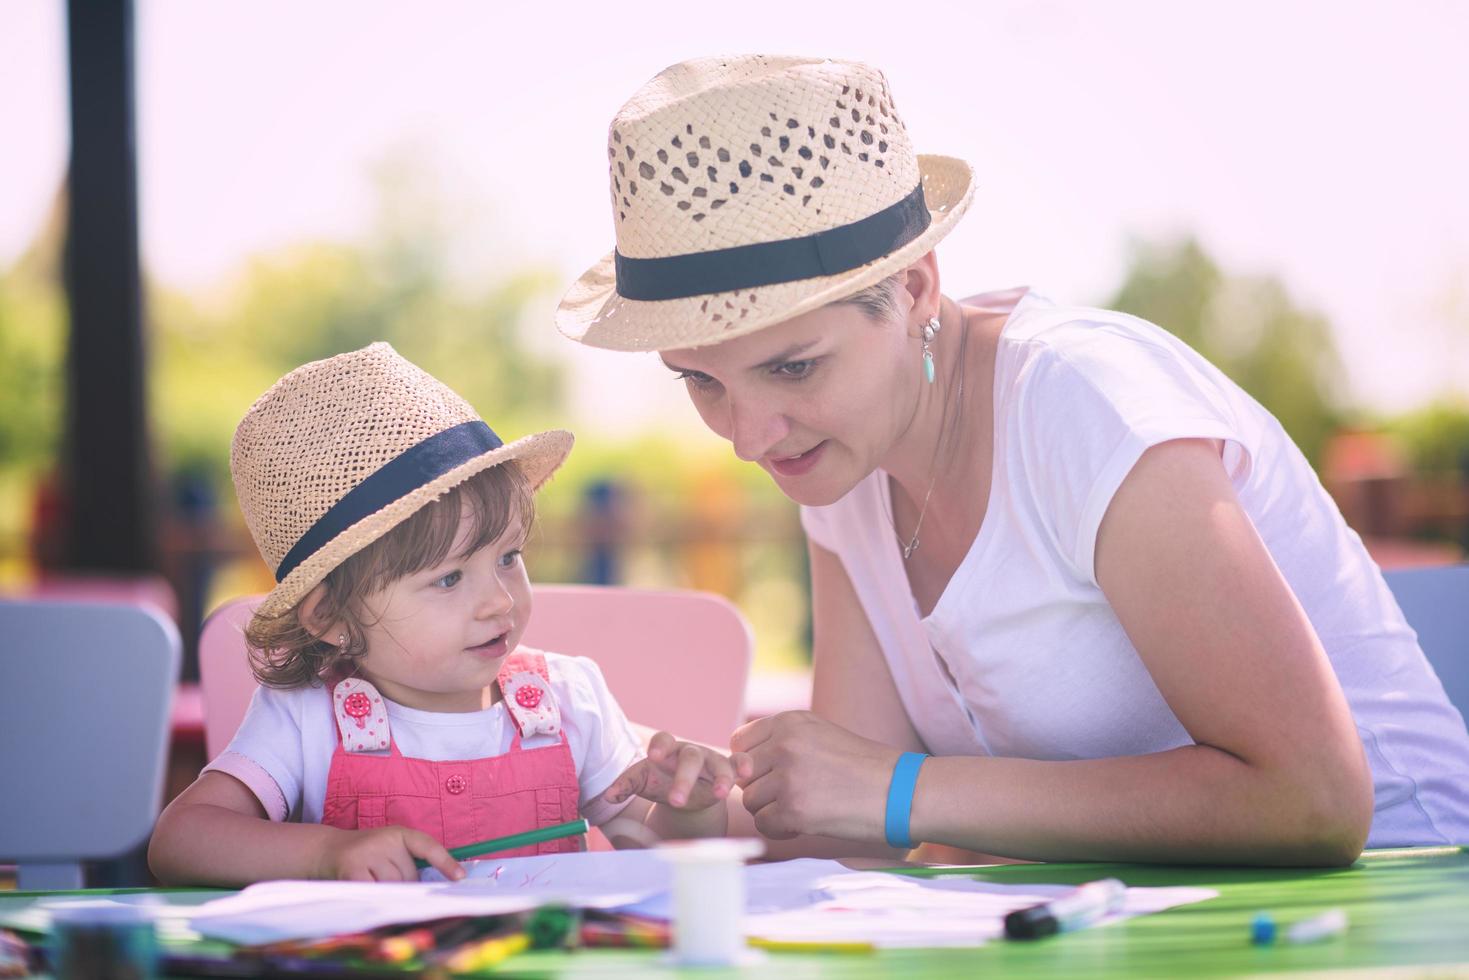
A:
1436, 604
85, 697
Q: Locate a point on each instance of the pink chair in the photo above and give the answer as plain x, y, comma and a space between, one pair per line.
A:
676, 660
118, 589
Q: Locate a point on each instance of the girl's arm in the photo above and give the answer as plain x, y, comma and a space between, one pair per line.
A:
1277, 776
217, 833
679, 790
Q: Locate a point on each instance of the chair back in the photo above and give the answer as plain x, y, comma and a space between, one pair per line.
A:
225, 681
1435, 602
85, 697
129, 590
676, 660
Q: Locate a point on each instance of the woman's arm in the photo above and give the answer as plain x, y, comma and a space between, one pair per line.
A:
1277, 776
852, 685
853, 688
217, 833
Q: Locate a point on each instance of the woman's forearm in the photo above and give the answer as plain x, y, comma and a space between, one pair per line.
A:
742, 824
1190, 804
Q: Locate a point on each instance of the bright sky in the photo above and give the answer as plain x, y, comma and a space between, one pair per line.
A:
1321, 141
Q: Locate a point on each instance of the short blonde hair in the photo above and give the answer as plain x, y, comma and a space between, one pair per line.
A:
877, 301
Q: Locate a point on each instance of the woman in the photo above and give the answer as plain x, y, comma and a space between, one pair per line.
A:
1052, 547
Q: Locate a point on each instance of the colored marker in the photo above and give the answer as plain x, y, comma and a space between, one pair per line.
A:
606, 930
1076, 910
570, 829
625, 931
482, 955
1327, 925
812, 946
444, 934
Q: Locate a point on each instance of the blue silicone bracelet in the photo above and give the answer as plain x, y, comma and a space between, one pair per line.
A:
900, 798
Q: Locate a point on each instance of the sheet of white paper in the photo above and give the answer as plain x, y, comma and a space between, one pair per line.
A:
822, 901
806, 899
278, 910
896, 910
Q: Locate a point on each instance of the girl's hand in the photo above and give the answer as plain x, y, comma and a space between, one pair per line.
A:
681, 775
813, 777
384, 854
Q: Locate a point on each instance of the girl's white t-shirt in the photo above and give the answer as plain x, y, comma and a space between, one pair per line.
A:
283, 749
1022, 656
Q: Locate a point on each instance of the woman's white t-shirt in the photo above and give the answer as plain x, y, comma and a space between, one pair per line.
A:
1040, 666
283, 749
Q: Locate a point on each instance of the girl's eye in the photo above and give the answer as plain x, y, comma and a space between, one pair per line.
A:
449, 581
509, 558
695, 379
796, 370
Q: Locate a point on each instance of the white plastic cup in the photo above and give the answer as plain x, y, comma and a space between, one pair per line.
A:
709, 899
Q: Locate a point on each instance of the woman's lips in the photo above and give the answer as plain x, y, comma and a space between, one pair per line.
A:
797, 465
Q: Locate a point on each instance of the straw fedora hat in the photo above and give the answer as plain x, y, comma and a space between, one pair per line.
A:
340, 451
748, 190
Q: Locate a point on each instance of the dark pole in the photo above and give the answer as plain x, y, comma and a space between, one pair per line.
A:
111, 524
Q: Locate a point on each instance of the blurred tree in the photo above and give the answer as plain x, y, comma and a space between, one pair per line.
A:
1436, 438
1247, 326
215, 355
33, 352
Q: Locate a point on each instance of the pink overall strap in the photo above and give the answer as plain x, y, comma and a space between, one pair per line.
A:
459, 801
526, 687
362, 717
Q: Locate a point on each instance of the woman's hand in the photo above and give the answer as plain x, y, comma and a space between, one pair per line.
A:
682, 775
813, 777
384, 854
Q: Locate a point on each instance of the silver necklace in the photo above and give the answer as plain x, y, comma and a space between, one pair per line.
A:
913, 542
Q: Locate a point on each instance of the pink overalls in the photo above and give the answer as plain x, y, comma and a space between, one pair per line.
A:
457, 803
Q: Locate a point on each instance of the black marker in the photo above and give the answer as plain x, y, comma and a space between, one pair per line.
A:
1080, 908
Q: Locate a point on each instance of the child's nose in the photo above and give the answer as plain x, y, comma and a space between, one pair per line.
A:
496, 598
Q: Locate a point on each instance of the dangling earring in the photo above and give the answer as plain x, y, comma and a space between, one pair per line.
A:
341, 639
930, 331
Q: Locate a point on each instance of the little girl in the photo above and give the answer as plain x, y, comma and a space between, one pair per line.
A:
397, 716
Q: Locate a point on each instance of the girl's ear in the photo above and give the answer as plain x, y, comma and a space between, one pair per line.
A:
309, 613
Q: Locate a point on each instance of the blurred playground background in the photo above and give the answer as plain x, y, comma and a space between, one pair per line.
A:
314, 179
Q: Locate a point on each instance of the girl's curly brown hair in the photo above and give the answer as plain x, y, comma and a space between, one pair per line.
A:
284, 653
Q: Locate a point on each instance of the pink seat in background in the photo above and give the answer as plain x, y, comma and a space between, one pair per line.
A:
676, 660
119, 589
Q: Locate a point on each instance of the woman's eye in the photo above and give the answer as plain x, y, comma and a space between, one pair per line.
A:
509, 558
697, 379
448, 581
796, 370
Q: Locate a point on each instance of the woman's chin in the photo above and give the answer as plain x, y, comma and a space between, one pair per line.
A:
811, 490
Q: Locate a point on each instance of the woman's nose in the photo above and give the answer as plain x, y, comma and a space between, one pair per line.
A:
755, 428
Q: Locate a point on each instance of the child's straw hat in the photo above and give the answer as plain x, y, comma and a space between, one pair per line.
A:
340, 451
748, 190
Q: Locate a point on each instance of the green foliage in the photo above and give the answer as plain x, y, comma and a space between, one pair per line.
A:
32, 364
1249, 327
314, 301
1436, 438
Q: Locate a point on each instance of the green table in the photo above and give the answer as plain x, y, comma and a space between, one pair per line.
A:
1409, 910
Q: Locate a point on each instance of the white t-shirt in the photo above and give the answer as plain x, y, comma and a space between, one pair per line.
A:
1040, 666
283, 749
